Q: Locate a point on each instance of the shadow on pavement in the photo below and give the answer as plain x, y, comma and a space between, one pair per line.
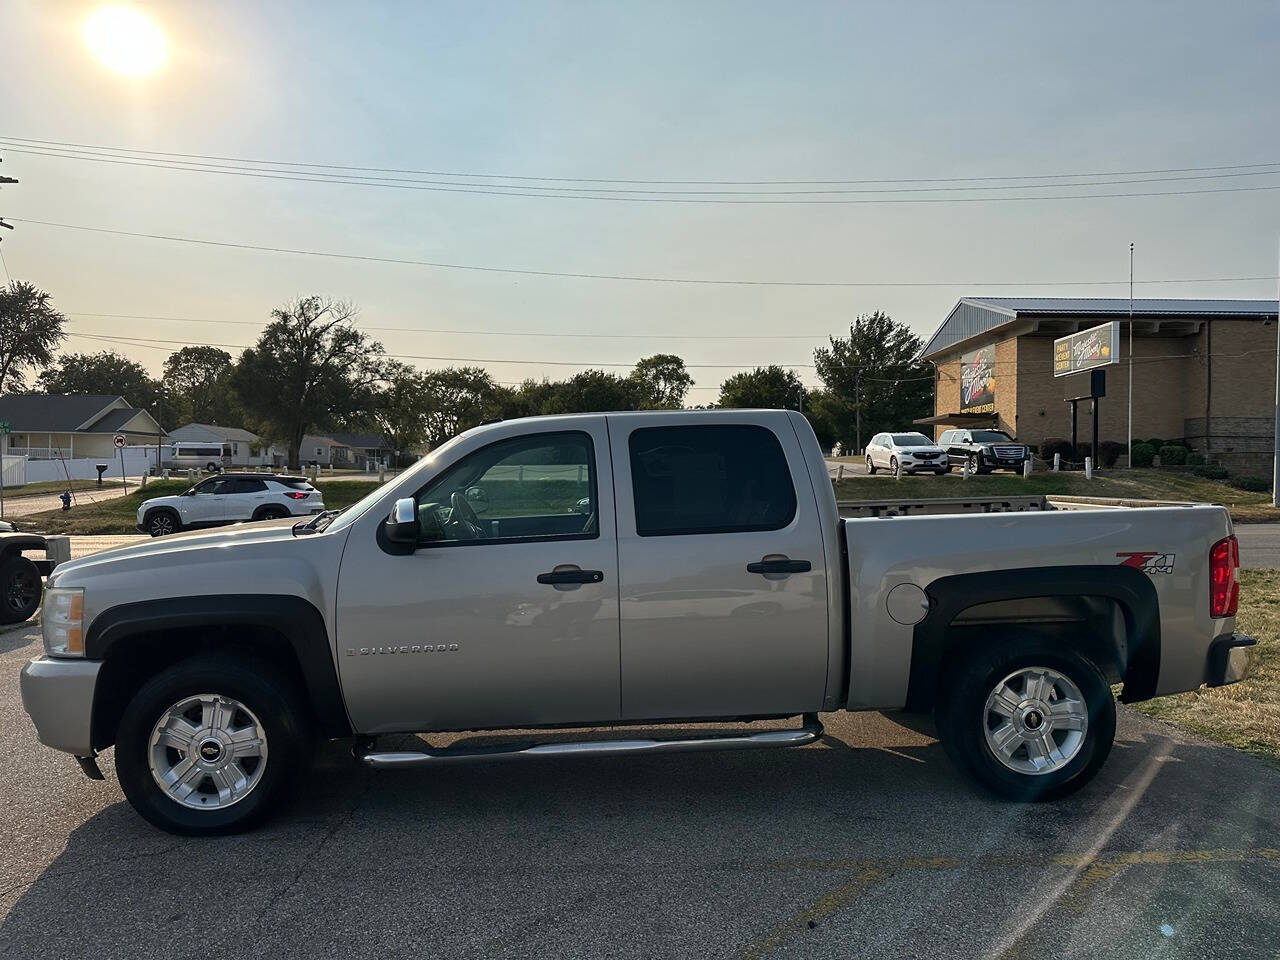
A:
838, 849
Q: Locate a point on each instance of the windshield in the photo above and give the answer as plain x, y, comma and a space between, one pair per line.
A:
990, 436
911, 440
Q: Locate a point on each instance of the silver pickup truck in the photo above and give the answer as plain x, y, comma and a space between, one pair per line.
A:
621, 569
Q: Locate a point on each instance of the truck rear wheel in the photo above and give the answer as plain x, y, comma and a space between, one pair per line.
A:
20, 589
214, 744
1028, 718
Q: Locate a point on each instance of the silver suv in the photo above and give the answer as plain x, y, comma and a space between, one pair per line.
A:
230, 498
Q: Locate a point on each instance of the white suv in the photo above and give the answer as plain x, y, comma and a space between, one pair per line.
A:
914, 451
230, 498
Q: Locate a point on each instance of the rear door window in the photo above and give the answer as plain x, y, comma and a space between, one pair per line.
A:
727, 478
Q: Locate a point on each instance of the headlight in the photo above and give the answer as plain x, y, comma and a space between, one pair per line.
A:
63, 621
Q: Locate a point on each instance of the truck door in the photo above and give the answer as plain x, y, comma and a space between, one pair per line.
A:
723, 582
506, 613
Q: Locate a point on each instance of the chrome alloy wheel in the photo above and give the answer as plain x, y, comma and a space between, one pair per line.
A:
1035, 721
207, 752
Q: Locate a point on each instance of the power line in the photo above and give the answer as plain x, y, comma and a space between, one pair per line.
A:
498, 176
628, 277
483, 333
148, 341
506, 189
489, 190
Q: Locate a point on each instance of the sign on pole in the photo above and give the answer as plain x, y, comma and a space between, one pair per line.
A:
1095, 347
5, 429
120, 441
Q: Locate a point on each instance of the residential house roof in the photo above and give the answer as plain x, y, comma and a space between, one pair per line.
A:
213, 431
66, 412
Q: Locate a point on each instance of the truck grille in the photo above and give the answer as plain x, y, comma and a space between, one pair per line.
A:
1009, 453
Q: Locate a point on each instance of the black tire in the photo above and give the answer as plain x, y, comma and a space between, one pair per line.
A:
161, 523
893, 465
270, 513
261, 687
20, 590
871, 467
213, 467
962, 720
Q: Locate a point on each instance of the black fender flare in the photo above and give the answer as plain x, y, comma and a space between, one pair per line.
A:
294, 618
1131, 589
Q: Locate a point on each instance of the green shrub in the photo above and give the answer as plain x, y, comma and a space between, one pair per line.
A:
1155, 443
1210, 471
1195, 460
1109, 452
1251, 484
1059, 445
1142, 455
1173, 455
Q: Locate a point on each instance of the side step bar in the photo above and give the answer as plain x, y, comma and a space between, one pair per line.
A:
810, 732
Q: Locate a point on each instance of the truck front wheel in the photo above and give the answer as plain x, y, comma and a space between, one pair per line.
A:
213, 744
1027, 717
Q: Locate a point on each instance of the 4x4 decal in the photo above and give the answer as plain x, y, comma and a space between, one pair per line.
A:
1148, 561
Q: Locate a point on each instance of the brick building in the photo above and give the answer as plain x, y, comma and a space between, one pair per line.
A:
1203, 371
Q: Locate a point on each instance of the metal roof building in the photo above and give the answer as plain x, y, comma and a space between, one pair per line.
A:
1203, 370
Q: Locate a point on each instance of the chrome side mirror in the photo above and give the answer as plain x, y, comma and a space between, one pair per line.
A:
402, 523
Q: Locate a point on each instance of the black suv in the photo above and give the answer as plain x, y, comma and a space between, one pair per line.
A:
984, 450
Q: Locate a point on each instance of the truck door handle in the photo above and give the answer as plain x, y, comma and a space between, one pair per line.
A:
779, 565
571, 575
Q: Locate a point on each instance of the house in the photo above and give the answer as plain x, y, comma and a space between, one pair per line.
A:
366, 448
325, 451
348, 451
247, 448
46, 426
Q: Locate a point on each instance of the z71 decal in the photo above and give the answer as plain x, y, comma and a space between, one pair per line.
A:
1148, 561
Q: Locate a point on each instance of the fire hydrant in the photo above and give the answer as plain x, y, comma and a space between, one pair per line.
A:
65, 497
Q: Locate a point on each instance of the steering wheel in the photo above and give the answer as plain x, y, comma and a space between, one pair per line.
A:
464, 515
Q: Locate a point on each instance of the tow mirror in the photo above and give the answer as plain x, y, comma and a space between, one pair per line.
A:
402, 523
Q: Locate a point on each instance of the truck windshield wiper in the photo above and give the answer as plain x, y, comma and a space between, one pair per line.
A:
315, 524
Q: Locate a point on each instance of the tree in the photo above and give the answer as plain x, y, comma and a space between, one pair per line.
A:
771, 387
399, 410
30, 330
197, 385
592, 391
661, 381
457, 399
310, 368
876, 370
106, 372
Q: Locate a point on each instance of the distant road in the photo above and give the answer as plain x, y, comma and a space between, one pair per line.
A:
1259, 545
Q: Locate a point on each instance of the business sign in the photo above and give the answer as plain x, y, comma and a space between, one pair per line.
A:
978, 381
1095, 347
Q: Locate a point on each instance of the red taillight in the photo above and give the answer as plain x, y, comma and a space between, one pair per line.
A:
298, 496
1224, 588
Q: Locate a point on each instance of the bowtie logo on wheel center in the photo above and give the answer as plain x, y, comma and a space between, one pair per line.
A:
210, 751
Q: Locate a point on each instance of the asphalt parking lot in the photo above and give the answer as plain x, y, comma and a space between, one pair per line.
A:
866, 845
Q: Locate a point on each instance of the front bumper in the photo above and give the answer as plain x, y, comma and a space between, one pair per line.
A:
1230, 658
58, 696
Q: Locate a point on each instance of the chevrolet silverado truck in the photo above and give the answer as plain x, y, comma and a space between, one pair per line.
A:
628, 570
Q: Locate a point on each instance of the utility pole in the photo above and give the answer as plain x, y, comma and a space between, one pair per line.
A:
1130, 437
1275, 468
857, 379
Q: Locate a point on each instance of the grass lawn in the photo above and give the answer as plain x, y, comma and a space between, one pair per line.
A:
1243, 715
46, 487
120, 515
1136, 485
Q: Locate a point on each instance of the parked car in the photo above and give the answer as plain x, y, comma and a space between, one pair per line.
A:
195, 455
983, 450
230, 498
914, 451
711, 578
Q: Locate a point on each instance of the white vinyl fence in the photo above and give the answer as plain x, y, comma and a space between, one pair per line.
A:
137, 461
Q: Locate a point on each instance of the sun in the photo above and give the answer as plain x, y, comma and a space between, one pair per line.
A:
125, 40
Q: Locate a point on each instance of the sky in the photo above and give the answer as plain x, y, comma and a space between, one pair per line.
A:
734, 91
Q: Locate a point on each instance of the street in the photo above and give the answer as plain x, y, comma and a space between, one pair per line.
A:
869, 844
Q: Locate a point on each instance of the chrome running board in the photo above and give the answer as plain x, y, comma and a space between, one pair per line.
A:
809, 733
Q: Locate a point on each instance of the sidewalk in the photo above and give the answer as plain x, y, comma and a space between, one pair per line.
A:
25, 506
